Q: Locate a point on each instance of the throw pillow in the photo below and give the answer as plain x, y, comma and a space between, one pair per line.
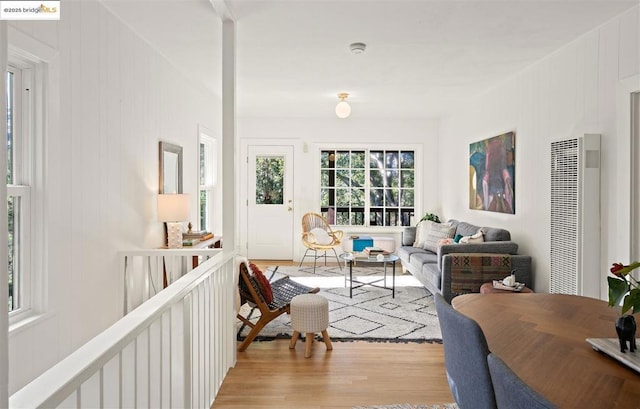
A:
321, 236
422, 230
457, 238
442, 242
436, 232
263, 283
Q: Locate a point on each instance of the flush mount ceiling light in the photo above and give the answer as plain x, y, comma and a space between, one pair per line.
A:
343, 109
357, 48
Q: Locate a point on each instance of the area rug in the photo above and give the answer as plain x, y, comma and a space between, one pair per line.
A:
408, 406
372, 314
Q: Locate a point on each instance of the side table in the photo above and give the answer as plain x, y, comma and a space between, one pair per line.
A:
487, 288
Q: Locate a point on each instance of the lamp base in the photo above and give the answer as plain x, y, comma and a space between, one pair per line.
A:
174, 235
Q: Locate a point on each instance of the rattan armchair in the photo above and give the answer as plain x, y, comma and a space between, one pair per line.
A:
318, 236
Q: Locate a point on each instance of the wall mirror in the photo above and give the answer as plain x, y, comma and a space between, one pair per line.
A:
170, 168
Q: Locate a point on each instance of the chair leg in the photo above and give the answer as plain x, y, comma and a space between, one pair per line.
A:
337, 259
315, 260
303, 257
252, 335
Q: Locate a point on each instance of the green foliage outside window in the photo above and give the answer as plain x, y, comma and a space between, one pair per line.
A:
360, 187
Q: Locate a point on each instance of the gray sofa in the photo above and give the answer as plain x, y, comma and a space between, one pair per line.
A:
436, 272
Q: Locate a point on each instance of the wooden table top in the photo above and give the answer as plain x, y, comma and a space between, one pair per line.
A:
542, 337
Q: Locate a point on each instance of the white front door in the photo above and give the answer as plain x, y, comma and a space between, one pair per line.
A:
270, 202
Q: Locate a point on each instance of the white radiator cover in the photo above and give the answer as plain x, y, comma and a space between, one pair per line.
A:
575, 216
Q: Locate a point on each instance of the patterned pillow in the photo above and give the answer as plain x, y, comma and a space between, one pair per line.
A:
263, 283
437, 232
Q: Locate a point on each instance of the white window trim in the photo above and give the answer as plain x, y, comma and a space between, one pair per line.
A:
418, 185
211, 175
32, 148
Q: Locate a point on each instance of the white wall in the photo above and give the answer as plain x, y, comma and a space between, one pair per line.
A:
317, 133
578, 89
112, 98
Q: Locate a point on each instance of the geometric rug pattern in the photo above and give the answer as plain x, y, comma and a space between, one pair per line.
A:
372, 314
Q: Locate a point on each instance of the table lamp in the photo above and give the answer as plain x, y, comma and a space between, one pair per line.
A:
173, 209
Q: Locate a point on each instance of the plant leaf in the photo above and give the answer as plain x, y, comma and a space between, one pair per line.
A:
617, 290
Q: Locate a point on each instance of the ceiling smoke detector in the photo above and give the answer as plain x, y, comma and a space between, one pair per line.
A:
358, 48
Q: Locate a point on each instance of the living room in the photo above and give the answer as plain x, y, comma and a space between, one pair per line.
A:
112, 95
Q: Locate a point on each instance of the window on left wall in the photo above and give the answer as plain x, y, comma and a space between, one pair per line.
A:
24, 99
18, 186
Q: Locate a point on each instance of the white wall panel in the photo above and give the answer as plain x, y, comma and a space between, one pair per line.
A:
114, 98
569, 93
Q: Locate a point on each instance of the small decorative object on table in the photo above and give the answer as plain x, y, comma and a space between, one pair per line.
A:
623, 285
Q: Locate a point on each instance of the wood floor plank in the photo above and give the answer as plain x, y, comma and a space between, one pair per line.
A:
270, 375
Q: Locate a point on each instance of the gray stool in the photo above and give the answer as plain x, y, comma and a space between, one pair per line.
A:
309, 314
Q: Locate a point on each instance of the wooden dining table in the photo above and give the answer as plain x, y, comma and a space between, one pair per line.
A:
542, 338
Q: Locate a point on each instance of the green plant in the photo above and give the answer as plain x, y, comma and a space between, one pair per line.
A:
623, 284
431, 217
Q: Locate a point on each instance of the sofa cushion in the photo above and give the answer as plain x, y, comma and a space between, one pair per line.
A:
405, 252
419, 258
490, 233
437, 232
432, 273
494, 234
476, 238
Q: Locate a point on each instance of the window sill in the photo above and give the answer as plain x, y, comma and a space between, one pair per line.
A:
27, 322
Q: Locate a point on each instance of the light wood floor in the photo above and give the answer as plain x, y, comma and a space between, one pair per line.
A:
270, 375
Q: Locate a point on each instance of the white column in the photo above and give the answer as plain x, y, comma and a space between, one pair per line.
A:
4, 317
229, 179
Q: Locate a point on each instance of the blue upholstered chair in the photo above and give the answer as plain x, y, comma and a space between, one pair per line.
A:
511, 392
465, 356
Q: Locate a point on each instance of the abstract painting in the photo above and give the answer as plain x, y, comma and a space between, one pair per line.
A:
492, 174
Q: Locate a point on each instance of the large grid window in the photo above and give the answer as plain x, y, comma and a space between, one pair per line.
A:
362, 187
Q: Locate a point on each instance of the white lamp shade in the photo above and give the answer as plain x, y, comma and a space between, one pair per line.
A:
343, 109
173, 208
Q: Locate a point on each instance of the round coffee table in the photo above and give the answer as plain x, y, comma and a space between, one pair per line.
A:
352, 259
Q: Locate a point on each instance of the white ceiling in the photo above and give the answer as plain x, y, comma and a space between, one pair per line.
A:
423, 56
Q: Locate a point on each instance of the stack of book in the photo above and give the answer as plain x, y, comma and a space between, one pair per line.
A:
374, 251
194, 237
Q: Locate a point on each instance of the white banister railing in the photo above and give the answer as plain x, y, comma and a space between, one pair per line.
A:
146, 272
173, 351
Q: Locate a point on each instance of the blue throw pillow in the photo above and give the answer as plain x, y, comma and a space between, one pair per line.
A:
457, 238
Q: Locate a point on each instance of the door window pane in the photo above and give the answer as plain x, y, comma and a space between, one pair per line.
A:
269, 180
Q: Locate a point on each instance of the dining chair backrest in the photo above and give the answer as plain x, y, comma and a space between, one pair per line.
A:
465, 355
511, 392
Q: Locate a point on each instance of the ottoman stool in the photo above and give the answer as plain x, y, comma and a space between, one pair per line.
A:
309, 314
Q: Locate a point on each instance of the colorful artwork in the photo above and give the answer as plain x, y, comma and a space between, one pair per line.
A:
492, 174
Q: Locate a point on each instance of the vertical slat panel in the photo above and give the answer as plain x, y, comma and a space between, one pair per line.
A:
155, 364
564, 216
142, 370
177, 358
128, 376
111, 384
